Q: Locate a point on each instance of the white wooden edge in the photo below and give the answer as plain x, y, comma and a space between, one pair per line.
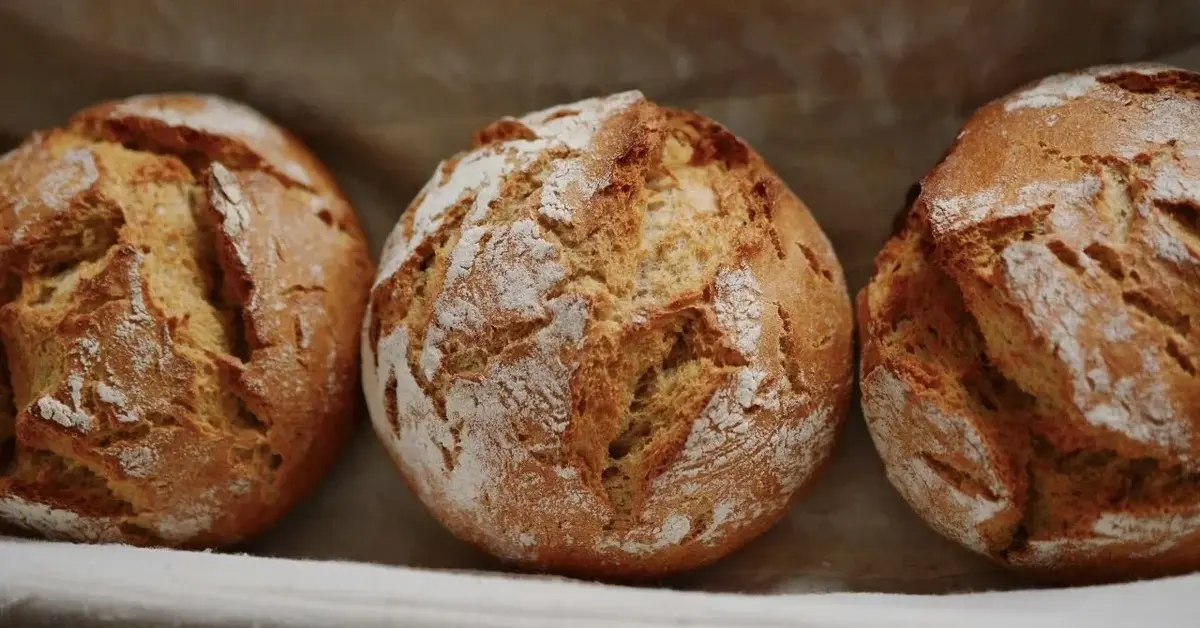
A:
71, 585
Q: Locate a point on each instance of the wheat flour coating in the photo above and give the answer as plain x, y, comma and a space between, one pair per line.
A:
608, 340
1032, 334
183, 286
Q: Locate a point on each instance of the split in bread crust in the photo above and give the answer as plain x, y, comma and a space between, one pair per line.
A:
1032, 332
183, 288
608, 341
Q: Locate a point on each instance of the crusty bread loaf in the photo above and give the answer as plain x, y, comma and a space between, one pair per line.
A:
1031, 336
608, 341
183, 290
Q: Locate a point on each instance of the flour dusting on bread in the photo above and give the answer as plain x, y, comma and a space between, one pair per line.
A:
55, 523
210, 114
886, 404
153, 374
138, 461
480, 174
536, 330
672, 531
221, 117
739, 307
948, 215
1144, 536
516, 268
1135, 403
1040, 407
54, 410
482, 412
722, 422
74, 172
1052, 91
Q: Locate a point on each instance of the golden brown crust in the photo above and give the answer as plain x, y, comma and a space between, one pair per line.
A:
608, 341
203, 128
186, 286
1029, 335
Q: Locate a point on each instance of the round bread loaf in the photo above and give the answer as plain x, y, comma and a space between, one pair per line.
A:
607, 341
183, 286
1031, 336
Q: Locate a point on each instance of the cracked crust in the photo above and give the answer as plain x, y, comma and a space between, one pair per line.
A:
608, 341
184, 286
1032, 332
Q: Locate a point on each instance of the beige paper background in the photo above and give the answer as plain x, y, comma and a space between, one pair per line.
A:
851, 101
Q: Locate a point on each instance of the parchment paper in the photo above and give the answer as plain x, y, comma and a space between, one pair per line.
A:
850, 101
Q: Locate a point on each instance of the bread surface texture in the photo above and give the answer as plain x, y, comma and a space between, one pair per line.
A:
183, 286
1031, 335
607, 341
